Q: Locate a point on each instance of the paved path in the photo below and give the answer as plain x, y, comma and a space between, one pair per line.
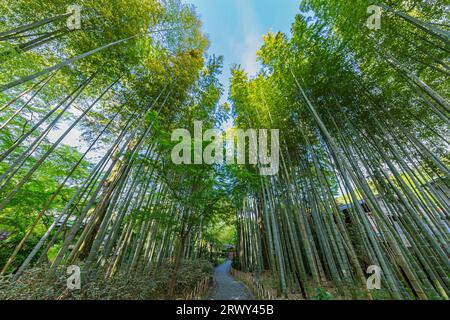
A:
226, 287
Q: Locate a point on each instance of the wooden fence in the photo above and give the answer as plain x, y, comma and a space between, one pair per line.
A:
258, 289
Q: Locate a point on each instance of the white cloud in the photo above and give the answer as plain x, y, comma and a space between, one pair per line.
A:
252, 37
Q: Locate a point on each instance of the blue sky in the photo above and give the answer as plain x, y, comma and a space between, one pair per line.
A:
235, 29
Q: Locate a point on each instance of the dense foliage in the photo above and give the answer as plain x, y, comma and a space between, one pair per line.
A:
86, 175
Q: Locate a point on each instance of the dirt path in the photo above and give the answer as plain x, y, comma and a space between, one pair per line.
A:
226, 287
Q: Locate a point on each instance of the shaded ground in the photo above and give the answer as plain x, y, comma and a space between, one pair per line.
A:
226, 287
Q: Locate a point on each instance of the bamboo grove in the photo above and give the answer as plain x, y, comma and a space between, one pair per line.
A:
364, 179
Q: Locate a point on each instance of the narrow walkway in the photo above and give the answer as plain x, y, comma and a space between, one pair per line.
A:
226, 287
